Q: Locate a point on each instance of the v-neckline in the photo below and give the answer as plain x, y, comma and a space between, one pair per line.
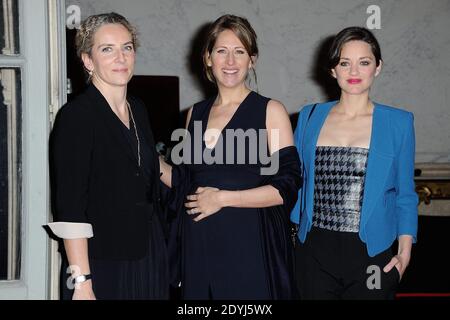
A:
112, 120
226, 125
119, 120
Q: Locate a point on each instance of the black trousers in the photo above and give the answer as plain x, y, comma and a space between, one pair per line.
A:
334, 265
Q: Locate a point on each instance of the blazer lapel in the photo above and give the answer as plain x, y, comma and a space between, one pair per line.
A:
378, 163
312, 131
111, 121
311, 134
143, 123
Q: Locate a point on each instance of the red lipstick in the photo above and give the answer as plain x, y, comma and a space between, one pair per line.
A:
354, 81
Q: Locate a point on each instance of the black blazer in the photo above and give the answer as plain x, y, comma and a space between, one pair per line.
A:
96, 178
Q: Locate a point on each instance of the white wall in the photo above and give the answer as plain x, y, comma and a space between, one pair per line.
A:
414, 38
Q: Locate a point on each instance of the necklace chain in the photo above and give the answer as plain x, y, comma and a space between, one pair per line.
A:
137, 135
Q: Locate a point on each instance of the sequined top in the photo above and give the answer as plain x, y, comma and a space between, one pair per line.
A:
339, 187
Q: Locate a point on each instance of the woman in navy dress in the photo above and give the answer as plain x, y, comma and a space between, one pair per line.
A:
233, 217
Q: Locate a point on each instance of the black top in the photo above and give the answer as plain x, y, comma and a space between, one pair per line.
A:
96, 178
133, 139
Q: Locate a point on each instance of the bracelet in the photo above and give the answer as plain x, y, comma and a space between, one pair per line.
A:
81, 278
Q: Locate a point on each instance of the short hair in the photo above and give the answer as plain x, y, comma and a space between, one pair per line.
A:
240, 27
84, 38
350, 34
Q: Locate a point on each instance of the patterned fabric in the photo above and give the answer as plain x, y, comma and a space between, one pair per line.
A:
339, 187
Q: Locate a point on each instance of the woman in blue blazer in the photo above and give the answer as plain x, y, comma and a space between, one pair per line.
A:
358, 194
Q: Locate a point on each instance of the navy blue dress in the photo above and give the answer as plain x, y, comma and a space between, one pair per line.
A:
224, 256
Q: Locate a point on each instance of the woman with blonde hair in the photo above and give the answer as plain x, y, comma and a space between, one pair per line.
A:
105, 176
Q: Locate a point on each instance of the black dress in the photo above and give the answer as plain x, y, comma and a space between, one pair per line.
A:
225, 256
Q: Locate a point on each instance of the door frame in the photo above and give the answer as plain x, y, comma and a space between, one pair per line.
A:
36, 92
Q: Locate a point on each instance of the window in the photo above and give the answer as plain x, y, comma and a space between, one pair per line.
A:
9, 27
10, 166
24, 128
10, 146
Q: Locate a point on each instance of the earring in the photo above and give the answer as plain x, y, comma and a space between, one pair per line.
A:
90, 74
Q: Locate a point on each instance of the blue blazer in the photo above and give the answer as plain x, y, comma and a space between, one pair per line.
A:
390, 202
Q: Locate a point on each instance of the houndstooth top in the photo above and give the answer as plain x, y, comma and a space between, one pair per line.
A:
339, 187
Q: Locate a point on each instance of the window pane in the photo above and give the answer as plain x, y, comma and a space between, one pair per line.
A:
10, 177
9, 27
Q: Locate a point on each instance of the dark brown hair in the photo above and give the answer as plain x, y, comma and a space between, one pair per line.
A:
350, 34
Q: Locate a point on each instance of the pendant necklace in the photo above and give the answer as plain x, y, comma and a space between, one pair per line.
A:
136, 134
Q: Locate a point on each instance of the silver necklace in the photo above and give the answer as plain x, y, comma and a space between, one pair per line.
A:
137, 135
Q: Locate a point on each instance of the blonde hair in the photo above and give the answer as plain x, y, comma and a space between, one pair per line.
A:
84, 39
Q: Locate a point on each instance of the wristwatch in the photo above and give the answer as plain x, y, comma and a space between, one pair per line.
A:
82, 278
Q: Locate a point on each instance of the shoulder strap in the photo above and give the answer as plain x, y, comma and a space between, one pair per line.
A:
198, 110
